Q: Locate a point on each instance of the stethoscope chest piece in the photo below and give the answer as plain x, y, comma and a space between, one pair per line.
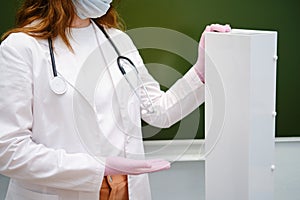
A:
58, 85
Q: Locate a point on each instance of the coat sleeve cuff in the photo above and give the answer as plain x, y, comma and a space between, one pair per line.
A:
193, 79
99, 174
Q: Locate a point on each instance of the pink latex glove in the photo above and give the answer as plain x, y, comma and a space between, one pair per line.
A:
125, 166
199, 66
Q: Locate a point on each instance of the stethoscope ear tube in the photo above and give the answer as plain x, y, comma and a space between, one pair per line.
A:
52, 57
119, 59
108, 37
124, 59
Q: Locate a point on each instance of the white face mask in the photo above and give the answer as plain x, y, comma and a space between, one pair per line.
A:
91, 8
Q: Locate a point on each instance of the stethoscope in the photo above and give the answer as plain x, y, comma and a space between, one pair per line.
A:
59, 86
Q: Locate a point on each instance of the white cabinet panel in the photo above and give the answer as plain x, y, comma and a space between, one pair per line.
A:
240, 114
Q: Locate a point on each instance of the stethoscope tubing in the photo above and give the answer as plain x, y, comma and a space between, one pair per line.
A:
120, 58
50, 44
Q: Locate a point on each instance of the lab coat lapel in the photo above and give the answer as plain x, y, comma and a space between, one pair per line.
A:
123, 92
117, 80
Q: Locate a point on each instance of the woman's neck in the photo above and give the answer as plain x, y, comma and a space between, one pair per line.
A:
80, 23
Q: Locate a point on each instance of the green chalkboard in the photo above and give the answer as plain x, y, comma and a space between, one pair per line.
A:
190, 18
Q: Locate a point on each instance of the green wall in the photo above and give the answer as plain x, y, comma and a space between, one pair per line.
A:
190, 18
7, 11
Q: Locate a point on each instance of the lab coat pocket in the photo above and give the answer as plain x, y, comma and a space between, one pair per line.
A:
17, 192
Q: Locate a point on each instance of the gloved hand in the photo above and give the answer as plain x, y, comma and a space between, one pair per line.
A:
199, 66
125, 166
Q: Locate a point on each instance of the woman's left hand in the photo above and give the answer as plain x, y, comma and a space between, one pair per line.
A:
199, 66
126, 166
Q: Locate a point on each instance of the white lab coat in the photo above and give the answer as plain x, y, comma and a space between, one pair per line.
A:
40, 148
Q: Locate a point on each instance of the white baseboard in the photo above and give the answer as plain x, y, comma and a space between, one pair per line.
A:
187, 150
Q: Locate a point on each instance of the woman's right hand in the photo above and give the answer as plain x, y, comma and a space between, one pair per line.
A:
125, 166
199, 65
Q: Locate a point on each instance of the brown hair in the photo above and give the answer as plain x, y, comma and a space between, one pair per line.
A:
54, 17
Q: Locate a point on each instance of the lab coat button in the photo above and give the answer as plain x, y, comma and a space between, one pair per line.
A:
273, 168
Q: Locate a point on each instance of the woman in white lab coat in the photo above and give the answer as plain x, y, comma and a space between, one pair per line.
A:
67, 141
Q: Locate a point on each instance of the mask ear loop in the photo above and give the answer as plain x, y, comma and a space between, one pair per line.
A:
57, 84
